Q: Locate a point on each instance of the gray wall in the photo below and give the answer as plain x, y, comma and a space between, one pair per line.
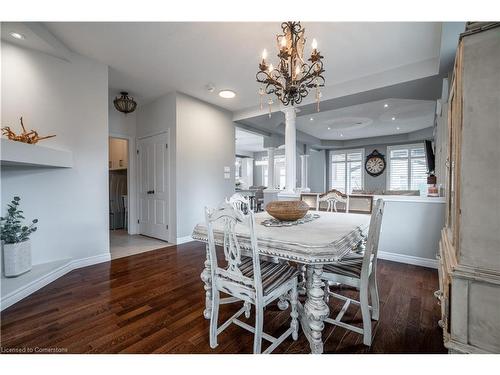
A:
412, 228
316, 171
69, 99
158, 117
205, 145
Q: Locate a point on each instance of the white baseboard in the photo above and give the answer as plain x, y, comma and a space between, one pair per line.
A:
49, 277
84, 262
181, 240
408, 259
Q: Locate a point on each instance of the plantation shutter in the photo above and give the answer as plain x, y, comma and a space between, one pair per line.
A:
407, 167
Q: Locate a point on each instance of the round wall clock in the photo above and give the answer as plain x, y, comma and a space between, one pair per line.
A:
375, 163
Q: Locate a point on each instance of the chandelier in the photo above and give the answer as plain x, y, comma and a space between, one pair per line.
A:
124, 103
293, 78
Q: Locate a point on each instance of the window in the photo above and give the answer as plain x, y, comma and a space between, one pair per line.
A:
347, 170
407, 167
279, 171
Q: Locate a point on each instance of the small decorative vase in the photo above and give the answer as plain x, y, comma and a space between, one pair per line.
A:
16, 258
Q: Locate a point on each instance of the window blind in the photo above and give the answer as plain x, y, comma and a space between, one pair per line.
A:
346, 170
407, 167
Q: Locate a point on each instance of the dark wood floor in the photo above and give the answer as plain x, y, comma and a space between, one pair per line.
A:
153, 303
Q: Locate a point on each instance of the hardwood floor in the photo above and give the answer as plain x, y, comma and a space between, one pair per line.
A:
153, 303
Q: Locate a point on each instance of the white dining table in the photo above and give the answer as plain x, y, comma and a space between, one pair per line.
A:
312, 244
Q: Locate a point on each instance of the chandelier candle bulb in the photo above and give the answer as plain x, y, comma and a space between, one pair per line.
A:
314, 44
283, 42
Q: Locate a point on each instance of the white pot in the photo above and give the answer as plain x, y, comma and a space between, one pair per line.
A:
16, 258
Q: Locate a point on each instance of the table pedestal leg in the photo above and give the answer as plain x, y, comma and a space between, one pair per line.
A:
315, 308
206, 278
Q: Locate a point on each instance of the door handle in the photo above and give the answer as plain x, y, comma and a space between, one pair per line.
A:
151, 191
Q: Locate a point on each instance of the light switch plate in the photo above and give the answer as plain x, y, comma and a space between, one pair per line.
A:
227, 176
227, 169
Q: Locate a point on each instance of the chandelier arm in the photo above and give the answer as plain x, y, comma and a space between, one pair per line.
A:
311, 84
309, 75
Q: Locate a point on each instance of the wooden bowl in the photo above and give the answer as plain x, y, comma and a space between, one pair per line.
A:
287, 210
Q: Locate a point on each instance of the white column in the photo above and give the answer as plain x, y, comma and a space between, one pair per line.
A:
290, 149
303, 173
270, 168
247, 172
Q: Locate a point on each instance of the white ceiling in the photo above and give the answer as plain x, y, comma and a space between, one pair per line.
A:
248, 142
370, 119
150, 59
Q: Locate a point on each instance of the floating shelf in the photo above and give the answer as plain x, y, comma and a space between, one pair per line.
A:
21, 154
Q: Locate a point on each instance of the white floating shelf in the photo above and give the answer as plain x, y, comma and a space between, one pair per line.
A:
21, 154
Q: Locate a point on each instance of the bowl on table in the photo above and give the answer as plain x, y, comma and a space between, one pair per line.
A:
287, 210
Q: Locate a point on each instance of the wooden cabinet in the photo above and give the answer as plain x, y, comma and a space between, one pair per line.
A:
469, 250
118, 153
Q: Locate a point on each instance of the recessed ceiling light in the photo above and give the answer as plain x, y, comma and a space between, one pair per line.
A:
394, 118
227, 94
341, 134
17, 35
397, 128
311, 119
386, 105
329, 128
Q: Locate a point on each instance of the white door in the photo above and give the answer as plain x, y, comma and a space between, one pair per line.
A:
153, 186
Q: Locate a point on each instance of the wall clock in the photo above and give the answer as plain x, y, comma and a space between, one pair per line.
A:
375, 163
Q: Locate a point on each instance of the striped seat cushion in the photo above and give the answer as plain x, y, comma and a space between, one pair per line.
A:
273, 274
350, 266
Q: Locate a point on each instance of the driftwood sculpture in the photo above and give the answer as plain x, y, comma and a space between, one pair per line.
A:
30, 137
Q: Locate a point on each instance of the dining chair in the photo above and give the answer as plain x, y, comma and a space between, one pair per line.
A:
332, 197
239, 202
246, 279
358, 270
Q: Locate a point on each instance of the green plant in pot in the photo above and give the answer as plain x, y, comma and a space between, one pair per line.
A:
15, 240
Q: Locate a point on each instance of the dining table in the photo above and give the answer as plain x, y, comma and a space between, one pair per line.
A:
312, 244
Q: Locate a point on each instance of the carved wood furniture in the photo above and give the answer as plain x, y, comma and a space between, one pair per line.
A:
359, 270
332, 197
239, 202
313, 244
246, 279
469, 252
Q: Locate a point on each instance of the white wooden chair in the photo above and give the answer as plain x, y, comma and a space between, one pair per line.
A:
359, 271
247, 279
332, 197
239, 202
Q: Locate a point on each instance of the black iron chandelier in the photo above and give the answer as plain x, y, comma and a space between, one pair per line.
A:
124, 103
293, 78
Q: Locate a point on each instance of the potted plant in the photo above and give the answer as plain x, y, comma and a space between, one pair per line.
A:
15, 240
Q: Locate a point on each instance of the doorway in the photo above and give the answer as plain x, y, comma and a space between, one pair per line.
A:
123, 183
118, 183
